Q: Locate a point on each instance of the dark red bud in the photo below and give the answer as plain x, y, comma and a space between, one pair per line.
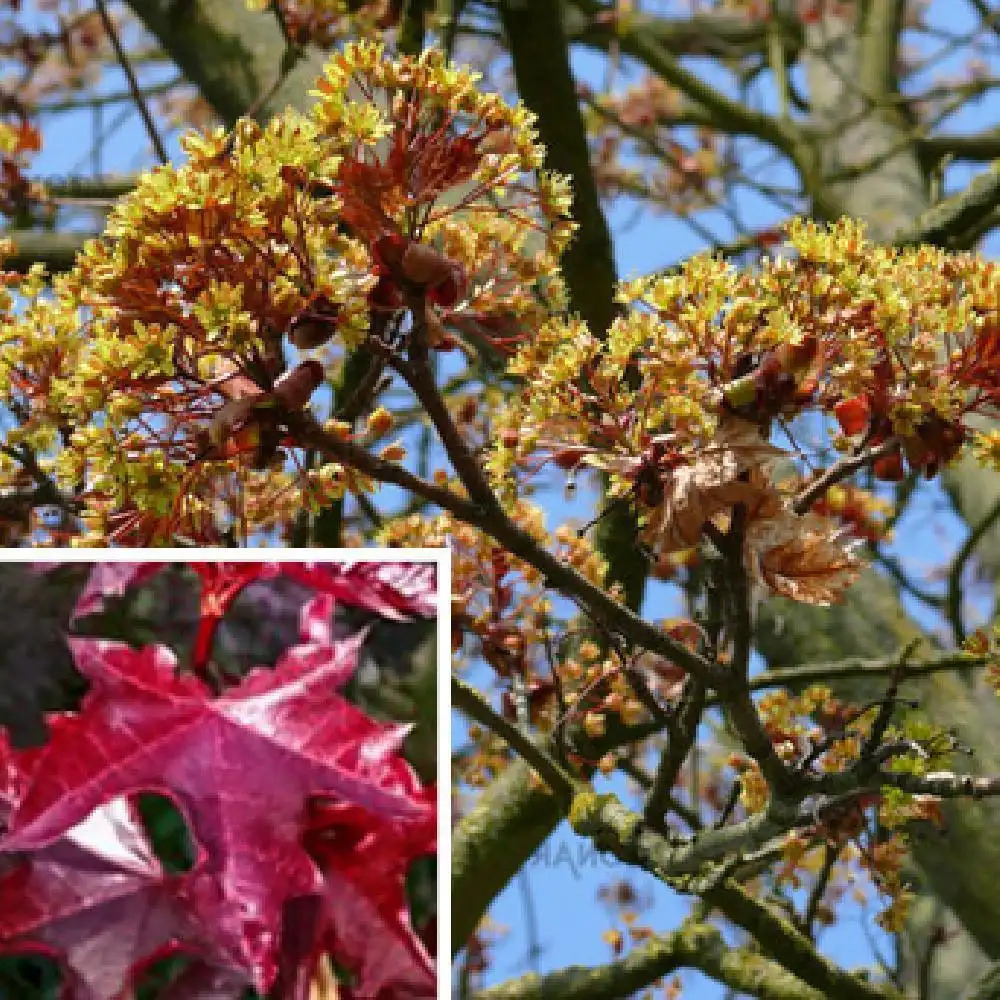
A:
388, 250
386, 294
295, 387
447, 343
315, 325
853, 415
889, 468
446, 294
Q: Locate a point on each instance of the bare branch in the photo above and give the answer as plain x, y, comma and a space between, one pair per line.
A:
948, 222
812, 673
133, 84
840, 470
57, 251
696, 945
469, 701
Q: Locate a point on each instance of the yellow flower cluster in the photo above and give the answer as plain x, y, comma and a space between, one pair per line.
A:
146, 380
501, 612
891, 342
463, 173
479, 567
671, 361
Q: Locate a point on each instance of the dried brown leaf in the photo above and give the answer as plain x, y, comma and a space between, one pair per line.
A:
728, 472
692, 499
802, 557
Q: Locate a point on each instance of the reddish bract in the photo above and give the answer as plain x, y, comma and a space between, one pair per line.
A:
393, 590
110, 580
365, 861
889, 468
853, 415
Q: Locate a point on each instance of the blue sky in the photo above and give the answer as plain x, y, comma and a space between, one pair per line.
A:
563, 889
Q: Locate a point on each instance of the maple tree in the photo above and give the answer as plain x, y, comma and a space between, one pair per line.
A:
407, 279
301, 817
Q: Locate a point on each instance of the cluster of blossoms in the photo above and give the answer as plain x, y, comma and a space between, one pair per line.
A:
17, 141
549, 671
679, 402
636, 154
227, 291
298, 859
814, 729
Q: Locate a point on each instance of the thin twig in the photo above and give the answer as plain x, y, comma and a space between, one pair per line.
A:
889, 704
683, 730
841, 470
471, 703
133, 84
953, 601
731, 799
819, 888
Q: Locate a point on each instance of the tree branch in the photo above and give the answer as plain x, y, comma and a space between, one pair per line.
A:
88, 188
540, 54
57, 251
812, 673
984, 145
231, 54
696, 945
879, 48
133, 84
490, 518
683, 731
948, 222
620, 832
507, 824
840, 470
723, 34
470, 702
791, 948
545, 82
728, 115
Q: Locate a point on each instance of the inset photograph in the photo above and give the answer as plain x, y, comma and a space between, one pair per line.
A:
217, 777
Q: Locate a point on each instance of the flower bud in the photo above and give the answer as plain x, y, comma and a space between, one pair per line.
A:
380, 422
394, 452
293, 389
423, 265
315, 325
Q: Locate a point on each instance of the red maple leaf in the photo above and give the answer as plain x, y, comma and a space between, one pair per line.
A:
397, 591
95, 899
393, 590
109, 580
365, 862
12, 779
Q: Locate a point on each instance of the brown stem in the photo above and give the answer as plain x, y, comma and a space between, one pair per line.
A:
133, 84
492, 519
841, 470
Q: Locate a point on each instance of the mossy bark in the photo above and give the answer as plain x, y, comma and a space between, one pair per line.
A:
231, 54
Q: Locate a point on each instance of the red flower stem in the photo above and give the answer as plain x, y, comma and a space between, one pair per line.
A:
203, 642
